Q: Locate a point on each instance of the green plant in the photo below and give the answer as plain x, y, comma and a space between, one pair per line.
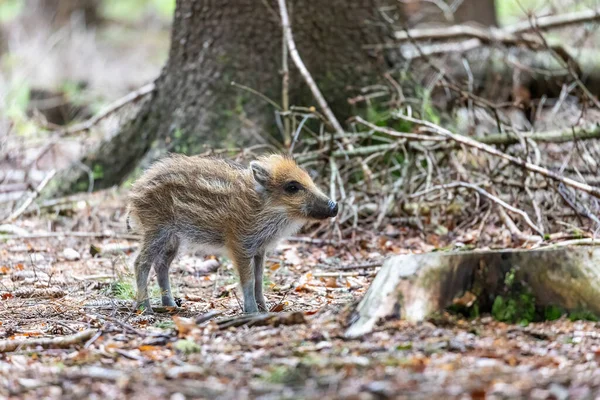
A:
122, 290
552, 313
582, 314
517, 308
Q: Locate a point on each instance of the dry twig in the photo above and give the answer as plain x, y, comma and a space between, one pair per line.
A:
7, 346
291, 45
31, 197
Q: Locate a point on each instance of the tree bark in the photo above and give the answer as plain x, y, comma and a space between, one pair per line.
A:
217, 42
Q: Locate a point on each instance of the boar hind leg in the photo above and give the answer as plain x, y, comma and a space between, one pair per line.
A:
259, 267
142, 266
167, 245
245, 269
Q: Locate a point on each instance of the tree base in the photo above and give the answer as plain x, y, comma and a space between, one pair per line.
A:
413, 287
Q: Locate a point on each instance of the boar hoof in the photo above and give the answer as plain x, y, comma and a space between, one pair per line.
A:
144, 307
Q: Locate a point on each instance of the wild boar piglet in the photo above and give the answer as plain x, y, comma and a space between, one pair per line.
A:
220, 207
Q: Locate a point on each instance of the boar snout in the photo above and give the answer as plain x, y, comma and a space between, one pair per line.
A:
322, 208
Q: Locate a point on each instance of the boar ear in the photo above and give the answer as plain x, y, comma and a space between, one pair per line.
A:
261, 174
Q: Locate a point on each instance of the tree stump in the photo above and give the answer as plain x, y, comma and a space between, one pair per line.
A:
412, 287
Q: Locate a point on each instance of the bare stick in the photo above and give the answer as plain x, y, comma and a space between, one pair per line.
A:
341, 274
396, 134
433, 128
467, 31
285, 92
509, 35
31, 197
557, 136
367, 265
556, 21
287, 32
576, 242
57, 342
515, 231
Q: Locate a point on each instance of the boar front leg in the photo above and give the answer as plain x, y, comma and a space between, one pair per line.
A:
246, 271
259, 267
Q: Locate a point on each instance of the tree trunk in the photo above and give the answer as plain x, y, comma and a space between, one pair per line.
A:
217, 42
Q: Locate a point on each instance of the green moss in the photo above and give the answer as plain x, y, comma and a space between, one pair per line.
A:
165, 324
187, 346
404, 346
290, 375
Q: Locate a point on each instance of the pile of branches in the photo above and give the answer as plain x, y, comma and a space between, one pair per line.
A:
402, 166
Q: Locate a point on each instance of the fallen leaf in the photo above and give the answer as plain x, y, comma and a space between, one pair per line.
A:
466, 300
331, 282
184, 325
275, 266
278, 307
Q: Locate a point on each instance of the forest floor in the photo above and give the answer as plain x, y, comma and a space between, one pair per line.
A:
79, 287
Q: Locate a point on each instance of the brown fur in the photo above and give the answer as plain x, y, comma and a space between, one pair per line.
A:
221, 207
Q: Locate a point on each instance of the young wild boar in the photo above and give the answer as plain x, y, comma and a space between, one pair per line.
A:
220, 207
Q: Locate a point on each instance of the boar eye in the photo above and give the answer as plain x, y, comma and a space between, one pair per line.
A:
292, 187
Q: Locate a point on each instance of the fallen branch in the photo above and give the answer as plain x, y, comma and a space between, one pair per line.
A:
557, 136
342, 274
38, 293
491, 35
508, 35
576, 242
264, 319
207, 316
367, 265
555, 21
47, 343
433, 128
17, 213
102, 235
